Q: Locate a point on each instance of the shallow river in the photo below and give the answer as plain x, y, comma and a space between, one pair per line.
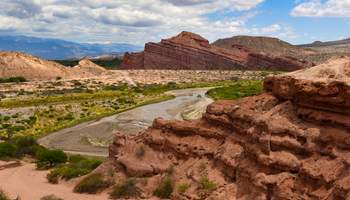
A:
93, 137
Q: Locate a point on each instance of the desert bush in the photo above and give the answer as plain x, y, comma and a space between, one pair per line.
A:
7, 150
77, 166
26, 145
183, 187
3, 195
207, 184
126, 189
165, 188
50, 197
53, 177
16, 79
50, 158
92, 184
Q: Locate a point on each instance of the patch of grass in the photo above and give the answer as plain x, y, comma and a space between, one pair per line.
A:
92, 184
237, 89
165, 188
126, 189
207, 184
183, 187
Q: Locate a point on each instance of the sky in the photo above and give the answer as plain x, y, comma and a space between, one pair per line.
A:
140, 21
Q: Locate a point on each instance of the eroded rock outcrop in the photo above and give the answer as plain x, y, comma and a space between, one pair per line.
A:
191, 51
292, 142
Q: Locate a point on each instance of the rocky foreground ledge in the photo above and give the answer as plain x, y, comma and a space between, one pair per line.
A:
292, 142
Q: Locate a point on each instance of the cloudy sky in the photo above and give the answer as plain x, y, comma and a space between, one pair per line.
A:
139, 21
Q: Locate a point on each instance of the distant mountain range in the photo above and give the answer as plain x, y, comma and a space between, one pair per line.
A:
56, 49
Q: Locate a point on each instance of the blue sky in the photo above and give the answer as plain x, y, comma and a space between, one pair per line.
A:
140, 21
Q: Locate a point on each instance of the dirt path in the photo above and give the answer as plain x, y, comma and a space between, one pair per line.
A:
30, 184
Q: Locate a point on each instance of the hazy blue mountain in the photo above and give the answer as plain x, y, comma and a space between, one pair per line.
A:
55, 49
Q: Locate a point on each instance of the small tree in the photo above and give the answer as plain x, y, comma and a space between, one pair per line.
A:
50, 158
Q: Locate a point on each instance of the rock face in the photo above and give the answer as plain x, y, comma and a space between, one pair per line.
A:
191, 51
290, 143
33, 68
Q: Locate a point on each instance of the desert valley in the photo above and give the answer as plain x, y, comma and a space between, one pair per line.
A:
244, 117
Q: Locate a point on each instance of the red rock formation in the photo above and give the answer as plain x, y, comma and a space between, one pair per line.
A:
191, 51
290, 143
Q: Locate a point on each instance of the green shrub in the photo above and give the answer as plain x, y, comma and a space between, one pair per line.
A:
26, 145
50, 158
16, 79
165, 188
92, 184
77, 166
182, 188
126, 189
50, 197
3, 195
207, 184
7, 150
53, 177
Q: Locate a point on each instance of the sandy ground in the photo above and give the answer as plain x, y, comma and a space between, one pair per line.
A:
93, 137
30, 184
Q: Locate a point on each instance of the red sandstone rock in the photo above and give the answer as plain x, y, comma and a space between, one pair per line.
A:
191, 51
288, 144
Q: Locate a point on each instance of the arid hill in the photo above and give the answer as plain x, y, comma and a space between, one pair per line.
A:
327, 50
317, 52
193, 52
33, 68
89, 68
289, 143
266, 45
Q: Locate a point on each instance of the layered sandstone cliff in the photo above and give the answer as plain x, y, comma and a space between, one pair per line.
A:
292, 142
191, 51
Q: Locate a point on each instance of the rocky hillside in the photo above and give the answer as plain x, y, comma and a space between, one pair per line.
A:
291, 142
327, 50
191, 51
317, 52
13, 64
266, 45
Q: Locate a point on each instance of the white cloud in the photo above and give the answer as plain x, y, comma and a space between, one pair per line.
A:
318, 8
134, 21
271, 29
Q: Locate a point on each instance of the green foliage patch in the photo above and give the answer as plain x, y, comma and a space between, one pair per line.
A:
237, 89
75, 167
16, 79
165, 188
92, 184
126, 189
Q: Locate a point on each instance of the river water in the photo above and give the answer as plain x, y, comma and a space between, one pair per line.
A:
93, 137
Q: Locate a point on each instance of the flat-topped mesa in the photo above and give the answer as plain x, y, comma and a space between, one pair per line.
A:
191, 51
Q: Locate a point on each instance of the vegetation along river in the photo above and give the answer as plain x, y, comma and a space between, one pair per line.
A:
93, 137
